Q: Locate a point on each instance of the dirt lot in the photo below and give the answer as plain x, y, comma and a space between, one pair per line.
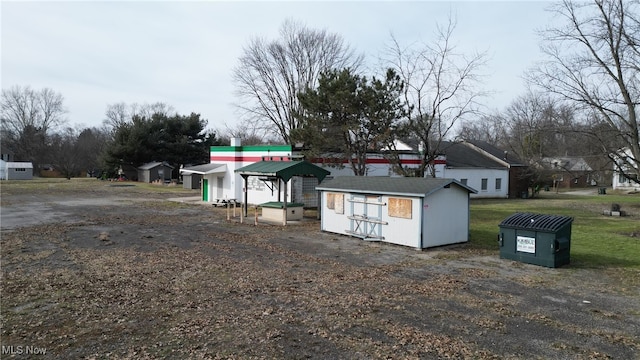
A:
110, 271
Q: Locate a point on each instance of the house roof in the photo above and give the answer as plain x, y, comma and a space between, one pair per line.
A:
19, 164
413, 186
153, 164
211, 168
283, 169
566, 163
497, 153
460, 155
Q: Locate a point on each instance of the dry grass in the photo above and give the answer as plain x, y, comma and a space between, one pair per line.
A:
179, 281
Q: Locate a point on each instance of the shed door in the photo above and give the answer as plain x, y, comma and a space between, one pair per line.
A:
365, 217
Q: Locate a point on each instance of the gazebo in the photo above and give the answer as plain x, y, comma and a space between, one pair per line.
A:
277, 172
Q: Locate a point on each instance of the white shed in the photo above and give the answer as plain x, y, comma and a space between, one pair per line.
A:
416, 212
16, 170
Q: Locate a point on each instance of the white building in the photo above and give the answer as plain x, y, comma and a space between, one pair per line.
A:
620, 181
480, 166
415, 212
16, 170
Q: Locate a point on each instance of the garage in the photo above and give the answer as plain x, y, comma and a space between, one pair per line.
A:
415, 212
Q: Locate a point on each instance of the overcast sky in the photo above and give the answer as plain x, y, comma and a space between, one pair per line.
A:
183, 53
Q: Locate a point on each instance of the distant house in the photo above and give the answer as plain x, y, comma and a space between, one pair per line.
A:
493, 172
621, 179
16, 170
155, 171
568, 172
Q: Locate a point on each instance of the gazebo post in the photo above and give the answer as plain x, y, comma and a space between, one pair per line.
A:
245, 204
284, 207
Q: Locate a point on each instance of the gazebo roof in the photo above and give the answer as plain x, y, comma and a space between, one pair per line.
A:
284, 170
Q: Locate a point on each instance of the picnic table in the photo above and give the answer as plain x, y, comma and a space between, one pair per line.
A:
225, 202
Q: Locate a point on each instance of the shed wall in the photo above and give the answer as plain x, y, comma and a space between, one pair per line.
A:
446, 217
19, 173
397, 230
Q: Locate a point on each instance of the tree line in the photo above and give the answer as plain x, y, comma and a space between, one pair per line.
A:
34, 129
309, 88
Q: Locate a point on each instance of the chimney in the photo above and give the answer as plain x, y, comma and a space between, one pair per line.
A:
236, 141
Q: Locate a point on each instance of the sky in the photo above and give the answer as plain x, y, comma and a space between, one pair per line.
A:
183, 53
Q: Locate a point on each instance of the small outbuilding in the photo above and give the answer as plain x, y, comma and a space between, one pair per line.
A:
154, 171
192, 176
416, 212
16, 170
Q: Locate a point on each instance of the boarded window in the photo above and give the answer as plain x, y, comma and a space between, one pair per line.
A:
400, 208
336, 202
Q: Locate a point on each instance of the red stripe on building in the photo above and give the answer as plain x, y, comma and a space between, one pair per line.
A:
215, 158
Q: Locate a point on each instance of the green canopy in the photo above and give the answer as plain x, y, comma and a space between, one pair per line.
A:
284, 170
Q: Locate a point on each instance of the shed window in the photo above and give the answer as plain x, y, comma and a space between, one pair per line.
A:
483, 185
335, 201
400, 208
498, 184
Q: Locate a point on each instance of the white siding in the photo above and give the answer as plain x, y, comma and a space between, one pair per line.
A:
403, 231
446, 217
441, 218
334, 220
474, 180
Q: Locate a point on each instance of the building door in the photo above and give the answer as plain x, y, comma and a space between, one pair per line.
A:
205, 189
365, 215
219, 187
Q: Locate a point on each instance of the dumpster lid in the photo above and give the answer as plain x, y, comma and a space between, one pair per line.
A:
536, 221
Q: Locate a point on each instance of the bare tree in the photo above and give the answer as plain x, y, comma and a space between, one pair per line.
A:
27, 117
248, 133
439, 90
270, 74
594, 63
121, 113
487, 128
64, 153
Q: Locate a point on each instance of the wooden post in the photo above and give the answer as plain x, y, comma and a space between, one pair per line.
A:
256, 216
228, 218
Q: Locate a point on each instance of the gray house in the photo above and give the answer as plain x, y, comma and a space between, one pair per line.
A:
16, 170
155, 171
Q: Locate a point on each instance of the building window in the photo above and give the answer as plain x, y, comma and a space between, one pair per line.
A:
483, 185
463, 181
622, 179
498, 184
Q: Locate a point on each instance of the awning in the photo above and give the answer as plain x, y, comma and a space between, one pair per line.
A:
205, 169
284, 170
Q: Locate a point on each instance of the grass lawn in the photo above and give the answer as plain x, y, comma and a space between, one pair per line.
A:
597, 241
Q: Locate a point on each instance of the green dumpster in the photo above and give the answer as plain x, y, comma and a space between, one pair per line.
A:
537, 239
